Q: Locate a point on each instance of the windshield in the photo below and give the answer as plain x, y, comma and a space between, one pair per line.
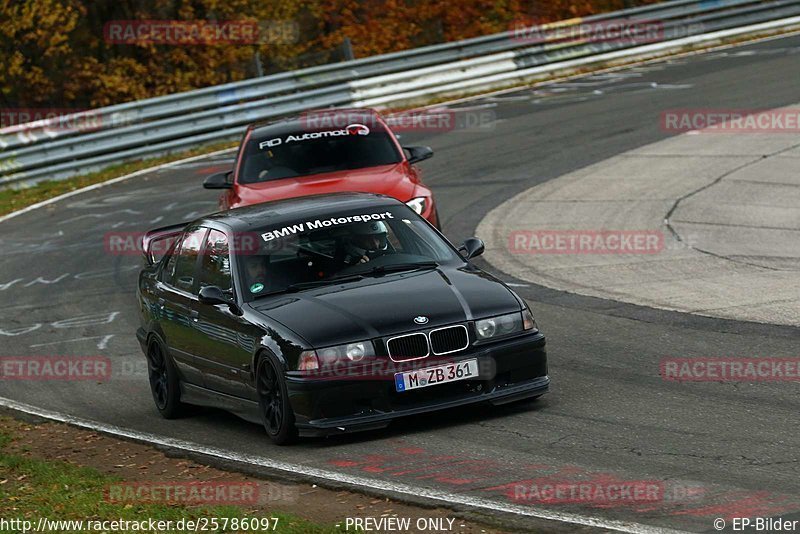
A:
273, 157
340, 248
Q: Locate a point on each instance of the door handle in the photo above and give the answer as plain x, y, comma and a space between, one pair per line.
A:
195, 315
161, 302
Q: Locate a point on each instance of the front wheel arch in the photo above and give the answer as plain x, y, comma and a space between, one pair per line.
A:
264, 352
272, 393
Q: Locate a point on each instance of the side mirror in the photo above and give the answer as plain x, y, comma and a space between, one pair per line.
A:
418, 153
213, 295
218, 181
472, 247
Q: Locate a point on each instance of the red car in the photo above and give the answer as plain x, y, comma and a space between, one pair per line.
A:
325, 151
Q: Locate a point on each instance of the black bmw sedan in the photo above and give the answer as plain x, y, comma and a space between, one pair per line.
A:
328, 314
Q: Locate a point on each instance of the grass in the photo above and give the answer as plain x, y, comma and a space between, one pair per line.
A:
32, 488
16, 199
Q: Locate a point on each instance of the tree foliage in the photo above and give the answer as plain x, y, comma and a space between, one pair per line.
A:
54, 52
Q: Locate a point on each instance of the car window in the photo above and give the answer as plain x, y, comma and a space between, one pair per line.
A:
186, 259
160, 244
340, 244
215, 265
169, 268
292, 158
415, 237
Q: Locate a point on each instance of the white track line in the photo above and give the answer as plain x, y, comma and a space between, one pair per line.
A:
295, 469
112, 181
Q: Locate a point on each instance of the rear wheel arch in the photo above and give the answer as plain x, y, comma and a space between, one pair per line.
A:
164, 379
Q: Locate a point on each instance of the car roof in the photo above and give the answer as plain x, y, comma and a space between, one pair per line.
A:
294, 209
308, 120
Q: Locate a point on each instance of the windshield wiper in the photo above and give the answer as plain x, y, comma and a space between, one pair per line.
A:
327, 281
299, 286
397, 267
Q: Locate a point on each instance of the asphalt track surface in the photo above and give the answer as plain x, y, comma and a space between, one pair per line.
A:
715, 449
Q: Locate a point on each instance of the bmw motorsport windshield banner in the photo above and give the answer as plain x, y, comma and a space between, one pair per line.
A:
324, 223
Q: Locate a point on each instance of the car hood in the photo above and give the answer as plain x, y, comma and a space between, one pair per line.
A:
385, 179
387, 305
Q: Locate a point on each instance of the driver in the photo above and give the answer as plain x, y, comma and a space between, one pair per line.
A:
256, 270
366, 242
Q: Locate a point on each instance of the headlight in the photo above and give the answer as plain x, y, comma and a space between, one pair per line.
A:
350, 352
503, 325
355, 352
417, 204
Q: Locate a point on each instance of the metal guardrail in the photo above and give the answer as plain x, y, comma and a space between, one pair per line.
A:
143, 128
474, 75
230, 93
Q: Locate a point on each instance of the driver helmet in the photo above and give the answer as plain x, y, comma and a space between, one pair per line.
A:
369, 238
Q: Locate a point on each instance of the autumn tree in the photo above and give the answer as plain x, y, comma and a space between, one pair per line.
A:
55, 53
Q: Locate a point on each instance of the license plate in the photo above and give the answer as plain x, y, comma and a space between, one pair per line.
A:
431, 376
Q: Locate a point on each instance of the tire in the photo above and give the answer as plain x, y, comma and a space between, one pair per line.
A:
273, 400
164, 382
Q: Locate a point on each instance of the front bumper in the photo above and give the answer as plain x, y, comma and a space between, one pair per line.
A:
510, 370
